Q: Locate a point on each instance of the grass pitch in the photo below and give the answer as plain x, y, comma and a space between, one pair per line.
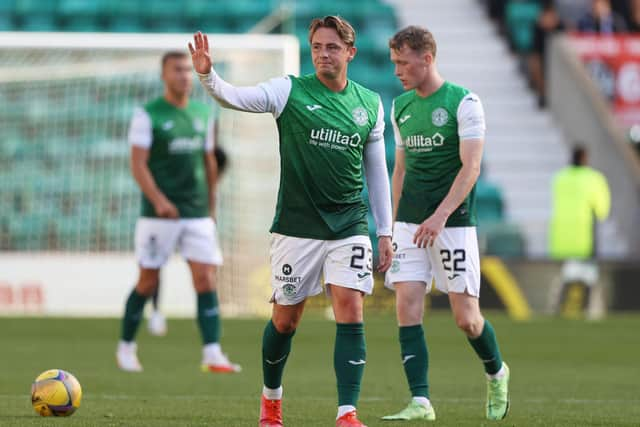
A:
564, 373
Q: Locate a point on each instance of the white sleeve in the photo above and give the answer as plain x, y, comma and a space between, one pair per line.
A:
378, 129
375, 168
210, 141
267, 97
470, 115
140, 133
394, 125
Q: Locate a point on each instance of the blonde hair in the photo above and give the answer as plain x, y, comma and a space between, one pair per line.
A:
415, 38
344, 29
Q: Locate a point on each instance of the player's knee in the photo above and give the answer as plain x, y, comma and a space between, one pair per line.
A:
146, 287
203, 281
410, 312
286, 325
204, 284
472, 327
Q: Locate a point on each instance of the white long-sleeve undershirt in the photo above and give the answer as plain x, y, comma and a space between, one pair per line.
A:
271, 97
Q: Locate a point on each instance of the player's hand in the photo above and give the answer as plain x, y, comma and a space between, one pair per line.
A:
428, 231
200, 55
165, 209
385, 253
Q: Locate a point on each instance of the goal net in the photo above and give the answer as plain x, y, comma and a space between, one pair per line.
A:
66, 191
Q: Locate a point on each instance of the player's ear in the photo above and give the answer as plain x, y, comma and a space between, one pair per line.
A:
352, 53
428, 59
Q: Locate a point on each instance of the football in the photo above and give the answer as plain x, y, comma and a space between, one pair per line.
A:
56, 393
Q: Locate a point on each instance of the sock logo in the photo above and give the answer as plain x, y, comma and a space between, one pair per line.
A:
276, 361
357, 362
210, 312
408, 357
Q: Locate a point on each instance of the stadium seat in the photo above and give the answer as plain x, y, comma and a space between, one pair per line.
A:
81, 15
124, 16
166, 16
35, 15
7, 8
29, 232
208, 16
520, 18
502, 239
74, 233
489, 203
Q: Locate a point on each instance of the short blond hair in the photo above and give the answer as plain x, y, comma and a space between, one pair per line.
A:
415, 38
344, 29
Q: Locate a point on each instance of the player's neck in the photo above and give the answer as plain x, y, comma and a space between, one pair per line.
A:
177, 100
431, 84
335, 85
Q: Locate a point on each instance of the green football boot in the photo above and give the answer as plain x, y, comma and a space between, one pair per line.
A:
498, 396
414, 411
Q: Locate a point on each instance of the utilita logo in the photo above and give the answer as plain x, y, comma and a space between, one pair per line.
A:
335, 136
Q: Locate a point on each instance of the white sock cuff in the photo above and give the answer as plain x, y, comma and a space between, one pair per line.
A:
272, 393
498, 374
422, 401
212, 348
345, 409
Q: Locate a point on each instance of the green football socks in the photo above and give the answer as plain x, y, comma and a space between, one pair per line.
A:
209, 317
349, 358
486, 347
415, 359
275, 351
132, 315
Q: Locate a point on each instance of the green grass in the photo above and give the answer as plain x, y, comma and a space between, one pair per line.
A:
564, 373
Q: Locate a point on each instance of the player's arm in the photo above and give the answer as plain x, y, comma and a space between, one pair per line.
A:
211, 167
375, 166
267, 97
471, 128
397, 178
140, 138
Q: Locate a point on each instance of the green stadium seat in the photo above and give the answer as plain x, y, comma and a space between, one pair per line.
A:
7, 8
82, 15
503, 240
29, 232
207, 16
35, 15
74, 233
125, 16
166, 16
520, 18
489, 203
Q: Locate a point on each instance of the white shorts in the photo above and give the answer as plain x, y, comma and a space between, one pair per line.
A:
453, 260
297, 264
157, 238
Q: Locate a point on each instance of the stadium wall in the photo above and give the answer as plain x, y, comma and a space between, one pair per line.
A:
586, 117
97, 285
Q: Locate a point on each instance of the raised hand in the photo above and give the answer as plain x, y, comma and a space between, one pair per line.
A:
200, 56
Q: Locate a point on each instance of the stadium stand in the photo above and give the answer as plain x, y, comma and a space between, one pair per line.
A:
72, 192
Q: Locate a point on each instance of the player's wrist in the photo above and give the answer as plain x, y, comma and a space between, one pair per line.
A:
206, 75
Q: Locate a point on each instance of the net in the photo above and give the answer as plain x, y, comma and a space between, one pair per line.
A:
64, 159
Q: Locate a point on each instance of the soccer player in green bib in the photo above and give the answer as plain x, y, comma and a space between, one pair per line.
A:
328, 125
439, 130
172, 161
